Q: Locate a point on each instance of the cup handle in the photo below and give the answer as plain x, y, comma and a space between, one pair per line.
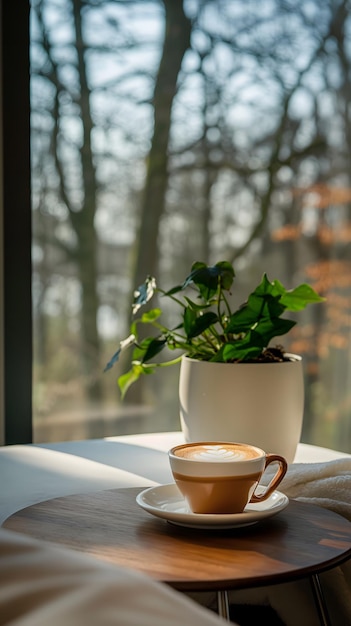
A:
277, 478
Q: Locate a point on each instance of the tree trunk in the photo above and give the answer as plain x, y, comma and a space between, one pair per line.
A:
176, 42
84, 227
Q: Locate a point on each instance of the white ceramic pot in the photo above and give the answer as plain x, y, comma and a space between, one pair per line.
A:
257, 403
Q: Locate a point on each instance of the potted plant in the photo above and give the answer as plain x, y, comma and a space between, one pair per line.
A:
234, 384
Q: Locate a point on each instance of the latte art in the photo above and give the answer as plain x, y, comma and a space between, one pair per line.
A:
217, 452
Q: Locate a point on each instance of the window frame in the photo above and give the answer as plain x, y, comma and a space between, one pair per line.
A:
16, 231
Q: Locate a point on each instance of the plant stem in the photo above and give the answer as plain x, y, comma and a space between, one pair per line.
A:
227, 304
164, 363
164, 293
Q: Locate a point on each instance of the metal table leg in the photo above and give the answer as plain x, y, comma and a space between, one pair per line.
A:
320, 601
223, 604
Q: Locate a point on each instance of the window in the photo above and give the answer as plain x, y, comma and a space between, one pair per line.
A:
164, 134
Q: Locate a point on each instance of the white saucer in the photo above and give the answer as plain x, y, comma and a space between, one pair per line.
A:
167, 502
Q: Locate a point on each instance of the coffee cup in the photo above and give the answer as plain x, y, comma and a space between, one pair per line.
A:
220, 477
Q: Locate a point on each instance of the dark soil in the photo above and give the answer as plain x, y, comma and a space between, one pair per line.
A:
271, 355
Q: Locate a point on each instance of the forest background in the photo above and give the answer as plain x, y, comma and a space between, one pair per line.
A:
165, 132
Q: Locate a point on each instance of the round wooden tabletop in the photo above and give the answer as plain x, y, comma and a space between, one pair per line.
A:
301, 540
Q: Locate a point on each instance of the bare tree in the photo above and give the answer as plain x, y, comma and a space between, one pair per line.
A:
81, 214
177, 29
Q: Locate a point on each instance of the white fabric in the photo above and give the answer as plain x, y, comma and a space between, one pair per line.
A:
41, 585
323, 484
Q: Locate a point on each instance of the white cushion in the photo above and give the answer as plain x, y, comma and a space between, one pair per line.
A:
44, 585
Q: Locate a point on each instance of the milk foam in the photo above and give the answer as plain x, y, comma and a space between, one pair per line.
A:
216, 453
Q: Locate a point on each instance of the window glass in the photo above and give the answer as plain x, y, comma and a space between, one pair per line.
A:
163, 134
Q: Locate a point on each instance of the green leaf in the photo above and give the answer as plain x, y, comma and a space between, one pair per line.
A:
298, 298
205, 278
255, 309
244, 349
232, 352
255, 340
226, 274
126, 380
195, 306
174, 290
151, 316
155, 347
148, 348
263, 303
209, 279
189, 319
134, 327
270, 328
195, 325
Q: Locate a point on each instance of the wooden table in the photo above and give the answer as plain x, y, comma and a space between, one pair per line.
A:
300, 541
